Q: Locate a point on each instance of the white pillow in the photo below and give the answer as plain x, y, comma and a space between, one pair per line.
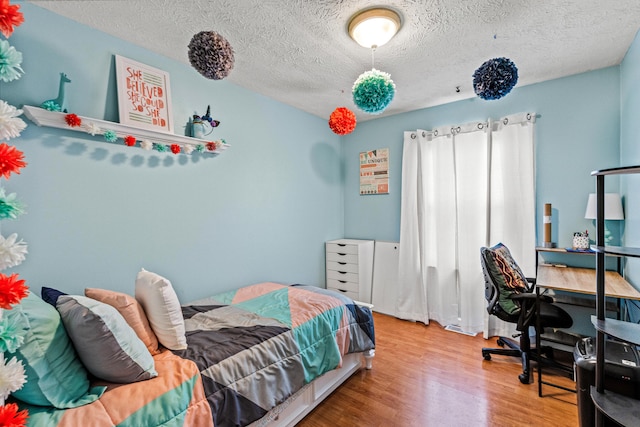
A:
160, 302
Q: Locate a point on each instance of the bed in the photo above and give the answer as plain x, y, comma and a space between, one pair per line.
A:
265, 354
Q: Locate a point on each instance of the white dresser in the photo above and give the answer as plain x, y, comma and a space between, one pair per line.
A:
350, 267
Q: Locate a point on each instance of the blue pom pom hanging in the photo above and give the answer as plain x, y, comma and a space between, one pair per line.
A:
495, 78
373, 91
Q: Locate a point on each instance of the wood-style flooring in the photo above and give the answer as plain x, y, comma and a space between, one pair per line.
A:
427, 376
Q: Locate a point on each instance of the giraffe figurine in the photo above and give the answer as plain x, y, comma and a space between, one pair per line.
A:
59, 103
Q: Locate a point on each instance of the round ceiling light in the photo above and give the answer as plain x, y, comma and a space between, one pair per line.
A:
374, 27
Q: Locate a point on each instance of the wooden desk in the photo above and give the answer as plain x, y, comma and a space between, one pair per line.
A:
583, 281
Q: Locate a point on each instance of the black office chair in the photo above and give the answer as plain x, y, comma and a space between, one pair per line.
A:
511, 297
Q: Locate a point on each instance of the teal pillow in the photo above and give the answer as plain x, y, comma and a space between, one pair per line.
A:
55, 375
106, 344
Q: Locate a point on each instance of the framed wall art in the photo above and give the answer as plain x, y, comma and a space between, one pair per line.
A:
144, 99
374, 172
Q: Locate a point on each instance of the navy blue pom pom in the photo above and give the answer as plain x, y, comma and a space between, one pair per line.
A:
495, 78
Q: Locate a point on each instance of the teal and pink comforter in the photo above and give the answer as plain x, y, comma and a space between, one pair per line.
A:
258, 345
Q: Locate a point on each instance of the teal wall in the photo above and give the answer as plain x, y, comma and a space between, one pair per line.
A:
630, 155
577, 131
98, 212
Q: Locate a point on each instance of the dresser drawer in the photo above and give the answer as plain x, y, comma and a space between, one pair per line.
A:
342, 248
340, 257
342, 266
343, 285
352, 295
345, 277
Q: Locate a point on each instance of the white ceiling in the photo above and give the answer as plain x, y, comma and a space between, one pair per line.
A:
299, 52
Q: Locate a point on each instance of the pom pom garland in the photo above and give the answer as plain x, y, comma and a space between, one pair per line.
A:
12, 333
342, 121
110, 136
200, 148
373, 91
211, 55
10, 124
146, 145
10, 60
10, 416
495, 78
129, 141
10, 16
10, 208
51, 106
11, 160
92, 128
73, 120
160, 148
12, 290
175, 148
12, 376
12, 252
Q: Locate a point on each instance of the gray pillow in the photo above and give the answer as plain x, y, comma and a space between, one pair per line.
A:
108, 347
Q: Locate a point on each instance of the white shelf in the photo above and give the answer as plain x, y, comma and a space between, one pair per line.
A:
42, 117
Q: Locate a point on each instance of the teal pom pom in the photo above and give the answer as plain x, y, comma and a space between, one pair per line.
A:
200, 148
373, 91
110, 136
161, 148
11, 334
10, 208
51, 106
10, 60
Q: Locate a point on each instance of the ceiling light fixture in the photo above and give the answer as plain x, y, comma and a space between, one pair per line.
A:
373, 28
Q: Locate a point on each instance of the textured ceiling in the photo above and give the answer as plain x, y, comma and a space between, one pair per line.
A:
299, 52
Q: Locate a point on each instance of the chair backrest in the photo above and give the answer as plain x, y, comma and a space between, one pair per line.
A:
503, 278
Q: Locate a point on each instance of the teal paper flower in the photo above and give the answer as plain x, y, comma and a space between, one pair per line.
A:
10, 208
161, 148
51, 106
373, 91
110, 136
11, 334
10, 60
200, 148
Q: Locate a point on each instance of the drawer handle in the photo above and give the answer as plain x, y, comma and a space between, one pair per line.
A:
341, 254
342, 244
342, 290
342, 272
342, 281
342, 263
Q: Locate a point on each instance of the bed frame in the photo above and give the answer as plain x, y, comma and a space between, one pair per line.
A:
294, 409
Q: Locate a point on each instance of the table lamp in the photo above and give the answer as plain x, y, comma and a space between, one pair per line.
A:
612, 211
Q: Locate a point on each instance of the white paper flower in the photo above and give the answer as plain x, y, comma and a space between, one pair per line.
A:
10, 124
12, 376
12, 252
188, 148
146, 144
92, 128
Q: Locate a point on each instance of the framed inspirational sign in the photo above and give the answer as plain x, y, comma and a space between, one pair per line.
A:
374, 172
143, 96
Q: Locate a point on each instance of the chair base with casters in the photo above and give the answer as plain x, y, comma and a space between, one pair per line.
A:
527, 304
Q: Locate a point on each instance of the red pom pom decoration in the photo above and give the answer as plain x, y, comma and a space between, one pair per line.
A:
175, 148
73, 120
12, 291
130, 141
342, 121
10, 16
211, 146
10, 160
10, 416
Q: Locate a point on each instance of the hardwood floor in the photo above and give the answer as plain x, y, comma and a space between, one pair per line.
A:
427, 376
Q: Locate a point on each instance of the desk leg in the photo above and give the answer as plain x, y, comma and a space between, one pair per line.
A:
539, 361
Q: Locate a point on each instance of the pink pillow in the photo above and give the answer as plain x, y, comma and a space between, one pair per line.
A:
132, 312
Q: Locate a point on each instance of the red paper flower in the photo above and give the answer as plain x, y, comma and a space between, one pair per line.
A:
342, 121
10, 16
129, 140
12, 291
175, 148
10, 417
10, 160
211, 146
73, 120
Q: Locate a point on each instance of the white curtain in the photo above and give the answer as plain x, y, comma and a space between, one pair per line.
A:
463, 187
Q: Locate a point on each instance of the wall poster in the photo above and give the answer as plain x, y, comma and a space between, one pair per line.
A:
143, 96
374, 172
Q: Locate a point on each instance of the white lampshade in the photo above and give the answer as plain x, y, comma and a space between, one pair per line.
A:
374, 27
612, 206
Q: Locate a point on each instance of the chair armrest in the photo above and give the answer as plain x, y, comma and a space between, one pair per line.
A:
530, 297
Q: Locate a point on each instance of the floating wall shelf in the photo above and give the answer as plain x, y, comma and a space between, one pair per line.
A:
42, 117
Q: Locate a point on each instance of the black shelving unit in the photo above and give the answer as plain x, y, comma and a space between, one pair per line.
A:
624, 410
